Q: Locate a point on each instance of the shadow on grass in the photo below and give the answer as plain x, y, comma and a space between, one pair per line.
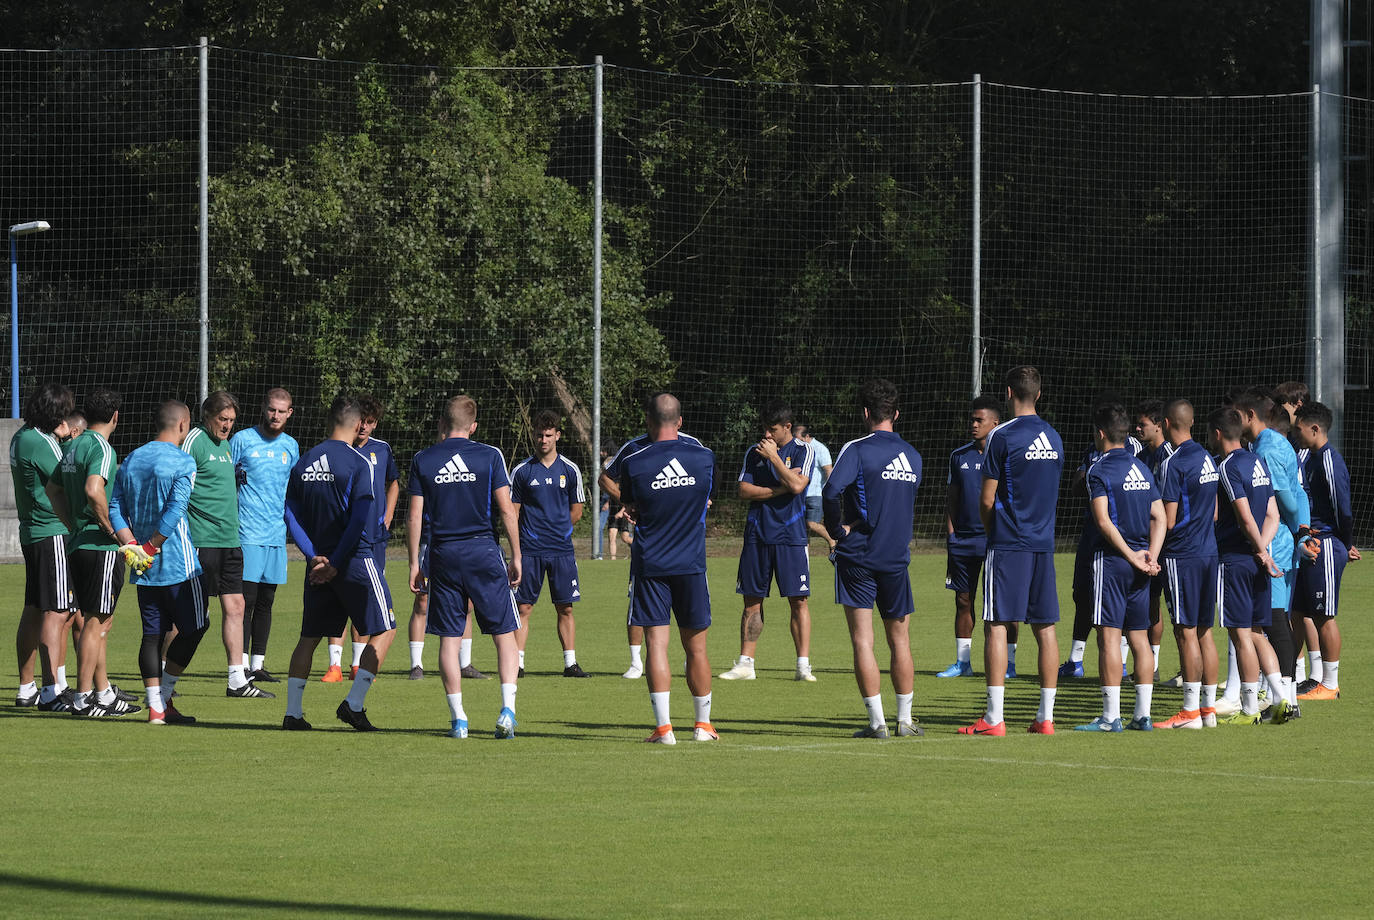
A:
132, 894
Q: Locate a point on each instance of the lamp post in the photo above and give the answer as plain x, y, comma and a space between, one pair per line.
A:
16, 231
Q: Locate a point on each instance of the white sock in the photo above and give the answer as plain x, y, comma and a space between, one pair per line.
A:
255, 662
904, 706
1276, 692
803, 663
464, 653
105, 696
236, 676
154, 697
362, 682
569, 657
637, 662
455, 706
358, 653
1011, 654
874, 705
1155, 650
61, 678
522, 658
963, 650
295, 693
745, 660
1144, 694
1331, 675
169, 685
28, 689
1314, 665
335, 656
1249, 697
1232, 691
1076, 653
701, 706
1289, 693
244, 660
508, 697
994, 713
1111, 703
1046, 711
417, 653
79, 700
1300, 673
660, 703
1209, 696
1192, 690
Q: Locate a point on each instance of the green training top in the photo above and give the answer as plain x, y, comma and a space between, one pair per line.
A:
214, 511
86, 456
34, 456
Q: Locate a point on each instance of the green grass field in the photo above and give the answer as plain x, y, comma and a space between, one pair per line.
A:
786, 817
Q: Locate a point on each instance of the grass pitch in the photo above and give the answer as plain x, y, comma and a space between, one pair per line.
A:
786, 817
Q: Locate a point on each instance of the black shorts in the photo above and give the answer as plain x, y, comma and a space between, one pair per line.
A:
97, 577
47, 585
221, 569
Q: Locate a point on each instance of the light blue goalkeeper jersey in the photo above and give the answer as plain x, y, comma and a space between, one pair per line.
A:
151, 493
264, 468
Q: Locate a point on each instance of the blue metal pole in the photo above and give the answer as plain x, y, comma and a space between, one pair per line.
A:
14, 328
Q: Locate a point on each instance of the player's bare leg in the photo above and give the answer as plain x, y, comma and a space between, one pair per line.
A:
231, 631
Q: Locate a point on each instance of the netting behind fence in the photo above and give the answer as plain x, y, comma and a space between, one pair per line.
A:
417, 232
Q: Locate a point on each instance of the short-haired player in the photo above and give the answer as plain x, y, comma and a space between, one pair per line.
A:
869, 511
773, 479
546, 490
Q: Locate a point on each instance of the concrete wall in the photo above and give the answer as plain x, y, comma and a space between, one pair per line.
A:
9, 516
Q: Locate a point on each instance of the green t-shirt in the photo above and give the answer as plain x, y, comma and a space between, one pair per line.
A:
214, 511
86, 456
34, 456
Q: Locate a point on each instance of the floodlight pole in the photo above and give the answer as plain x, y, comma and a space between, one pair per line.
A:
16, 231
597, 125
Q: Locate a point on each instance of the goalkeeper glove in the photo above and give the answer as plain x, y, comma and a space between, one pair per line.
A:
140, 558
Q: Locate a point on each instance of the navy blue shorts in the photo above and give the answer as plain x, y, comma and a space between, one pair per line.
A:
1190, 588
864, 589
1243, 593
359, 594
962, 571
1018, 587
561, 571
762, 563
184, 605
1318, 591
688, 597
470, 570
1121, 594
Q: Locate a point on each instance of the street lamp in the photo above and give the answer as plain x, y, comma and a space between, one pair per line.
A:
16, 231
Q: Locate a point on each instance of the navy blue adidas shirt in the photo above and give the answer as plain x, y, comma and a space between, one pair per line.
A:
872, 490
1327, 480
329, 501
966, 489
669, 485
781, 520
1026, 457
1154, 459
1243, 477
1189, 477
457, 478
1130, 490
634, 445
546, 495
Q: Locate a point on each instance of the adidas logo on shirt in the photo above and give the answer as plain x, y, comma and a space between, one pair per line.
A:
1259, 477
1209, 471
455, 471
1135, 481
318, 471
900, 469
1042, 449
674, 474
